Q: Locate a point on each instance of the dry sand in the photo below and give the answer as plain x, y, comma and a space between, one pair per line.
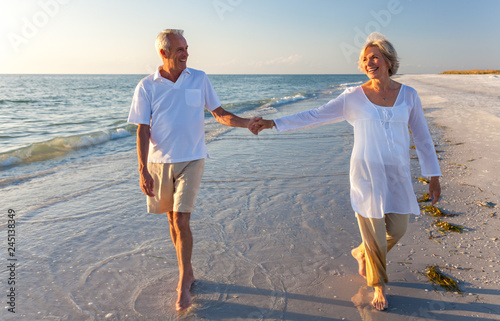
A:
463, 112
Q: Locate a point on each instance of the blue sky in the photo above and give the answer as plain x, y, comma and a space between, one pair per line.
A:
245, 36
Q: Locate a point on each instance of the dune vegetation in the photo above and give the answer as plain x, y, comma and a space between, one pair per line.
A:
471, 72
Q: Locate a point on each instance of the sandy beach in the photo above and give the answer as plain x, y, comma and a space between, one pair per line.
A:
273, 226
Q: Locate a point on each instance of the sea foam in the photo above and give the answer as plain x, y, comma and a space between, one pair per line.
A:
59, 146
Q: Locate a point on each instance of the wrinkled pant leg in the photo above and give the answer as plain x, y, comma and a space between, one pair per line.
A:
379, 236
373, 234
396, 226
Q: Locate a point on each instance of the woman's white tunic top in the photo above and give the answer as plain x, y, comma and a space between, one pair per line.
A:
380, 162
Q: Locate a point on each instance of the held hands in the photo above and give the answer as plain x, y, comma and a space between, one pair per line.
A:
257, 124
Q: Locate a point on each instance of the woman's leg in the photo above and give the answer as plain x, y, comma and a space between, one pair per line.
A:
379, 236
395, 225
359, 254
373, 234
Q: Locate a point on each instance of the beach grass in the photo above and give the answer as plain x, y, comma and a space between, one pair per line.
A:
471, 72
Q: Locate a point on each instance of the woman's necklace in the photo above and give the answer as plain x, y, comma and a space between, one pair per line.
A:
386, 95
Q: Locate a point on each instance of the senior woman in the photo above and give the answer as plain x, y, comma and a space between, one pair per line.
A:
382, 196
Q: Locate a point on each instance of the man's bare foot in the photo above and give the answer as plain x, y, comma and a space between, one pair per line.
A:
191, 281
360, 257
380, 299
183, 300
184, 296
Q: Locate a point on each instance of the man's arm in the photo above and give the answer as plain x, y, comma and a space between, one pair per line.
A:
146, 181
229, 119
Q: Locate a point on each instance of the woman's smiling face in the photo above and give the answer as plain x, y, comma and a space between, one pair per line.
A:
374, 64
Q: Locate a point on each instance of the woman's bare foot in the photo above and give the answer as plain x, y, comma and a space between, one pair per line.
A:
360, 257
380, 299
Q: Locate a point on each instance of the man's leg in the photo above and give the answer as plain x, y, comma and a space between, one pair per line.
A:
187, 180
173, 233
182, 238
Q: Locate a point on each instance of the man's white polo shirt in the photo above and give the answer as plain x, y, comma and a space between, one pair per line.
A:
175, 112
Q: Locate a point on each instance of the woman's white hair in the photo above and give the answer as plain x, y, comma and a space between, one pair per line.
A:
390, 55
162, 41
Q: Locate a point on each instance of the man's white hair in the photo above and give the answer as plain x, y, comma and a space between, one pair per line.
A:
162, 41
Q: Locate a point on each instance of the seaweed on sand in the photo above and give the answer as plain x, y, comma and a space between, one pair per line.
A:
433, 211
424, 198
438, 278
424, 181
486, 204
445, 226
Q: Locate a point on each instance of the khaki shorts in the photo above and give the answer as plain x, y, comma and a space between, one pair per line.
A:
175, 186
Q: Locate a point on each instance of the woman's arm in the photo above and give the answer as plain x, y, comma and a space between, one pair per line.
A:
331, 112
426, 151
434, 189
423, 141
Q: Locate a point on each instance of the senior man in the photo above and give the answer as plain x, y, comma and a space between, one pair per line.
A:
168, 107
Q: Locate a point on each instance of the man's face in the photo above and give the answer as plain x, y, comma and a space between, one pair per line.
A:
177, 58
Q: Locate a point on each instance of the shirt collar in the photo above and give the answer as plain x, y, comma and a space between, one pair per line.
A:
158, 76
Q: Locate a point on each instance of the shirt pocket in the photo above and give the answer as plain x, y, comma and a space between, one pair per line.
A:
193, 97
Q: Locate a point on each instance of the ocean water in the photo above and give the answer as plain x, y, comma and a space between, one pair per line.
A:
272, 225
47, 116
